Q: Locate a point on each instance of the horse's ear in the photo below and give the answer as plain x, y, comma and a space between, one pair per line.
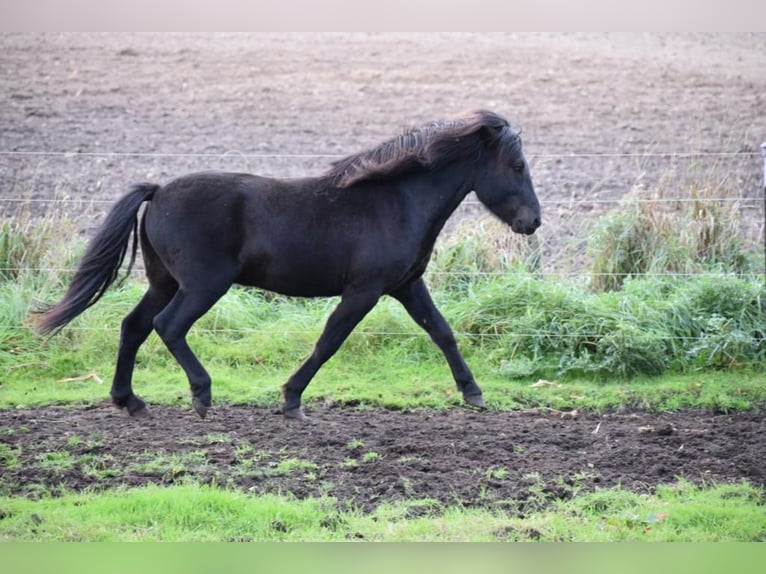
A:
491, 133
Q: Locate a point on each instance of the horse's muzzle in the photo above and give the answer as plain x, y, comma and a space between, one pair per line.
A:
525, 226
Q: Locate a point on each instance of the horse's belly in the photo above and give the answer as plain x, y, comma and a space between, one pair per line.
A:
296, 276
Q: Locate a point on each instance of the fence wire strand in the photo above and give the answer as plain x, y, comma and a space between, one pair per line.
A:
412, 334
570, 212
275, 155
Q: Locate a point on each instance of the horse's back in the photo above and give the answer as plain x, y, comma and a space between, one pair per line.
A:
250, 229
300, 237
193, 189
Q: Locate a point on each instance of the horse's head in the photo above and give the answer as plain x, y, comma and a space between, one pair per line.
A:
504, 184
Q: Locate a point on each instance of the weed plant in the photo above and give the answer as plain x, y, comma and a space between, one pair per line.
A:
480, 248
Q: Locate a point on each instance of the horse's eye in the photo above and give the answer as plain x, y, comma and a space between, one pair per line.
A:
518, 167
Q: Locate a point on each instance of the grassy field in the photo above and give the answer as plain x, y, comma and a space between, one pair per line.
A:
677, 512
656, 344
647, 338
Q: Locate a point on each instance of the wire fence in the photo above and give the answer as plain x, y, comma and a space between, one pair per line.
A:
316, 331
35, 183
260, 155
83, 185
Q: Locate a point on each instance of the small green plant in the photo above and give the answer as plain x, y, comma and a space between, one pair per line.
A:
496, 473
217, 438
532, 478
74, 441
9, 456
371, 456
291, 465
95, 440
100, 467
56, 461
170, 468
244, 450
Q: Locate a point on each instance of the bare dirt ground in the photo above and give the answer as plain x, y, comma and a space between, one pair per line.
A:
518, 460
84, 115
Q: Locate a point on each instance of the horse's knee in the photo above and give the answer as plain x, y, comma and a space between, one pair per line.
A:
168, 334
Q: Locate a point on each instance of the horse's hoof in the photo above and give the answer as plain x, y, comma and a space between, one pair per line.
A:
295, 414
200, 407
140, 413
135, 407
476, 401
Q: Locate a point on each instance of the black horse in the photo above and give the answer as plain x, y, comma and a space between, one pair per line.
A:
365, 228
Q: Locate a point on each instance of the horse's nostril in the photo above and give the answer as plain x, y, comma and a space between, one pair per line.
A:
537, 223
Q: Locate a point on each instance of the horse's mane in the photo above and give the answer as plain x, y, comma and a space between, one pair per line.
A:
431, 146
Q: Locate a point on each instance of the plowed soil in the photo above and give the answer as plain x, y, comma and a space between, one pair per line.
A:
368, 456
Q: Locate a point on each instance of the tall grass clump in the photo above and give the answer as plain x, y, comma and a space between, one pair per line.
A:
38, 250
480, 250
724, 321
649, 235
23, 247
534, 326
34, 264
538, 327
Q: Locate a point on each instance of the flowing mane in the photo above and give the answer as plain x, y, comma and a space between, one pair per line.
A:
429, 146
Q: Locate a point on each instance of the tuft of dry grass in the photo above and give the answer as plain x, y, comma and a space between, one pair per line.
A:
481, 248
647, 235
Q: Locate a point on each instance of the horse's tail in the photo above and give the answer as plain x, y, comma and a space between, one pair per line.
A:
101, 263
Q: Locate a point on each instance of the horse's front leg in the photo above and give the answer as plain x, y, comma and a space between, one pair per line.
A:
418, 303
352, 308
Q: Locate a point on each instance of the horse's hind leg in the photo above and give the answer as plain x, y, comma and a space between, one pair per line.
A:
172, 325
135, 329
418, 303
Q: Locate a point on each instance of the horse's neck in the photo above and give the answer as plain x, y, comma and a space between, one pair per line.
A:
438, 195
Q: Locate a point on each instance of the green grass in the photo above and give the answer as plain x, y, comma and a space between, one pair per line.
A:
385, 379
676, 512
657, 343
